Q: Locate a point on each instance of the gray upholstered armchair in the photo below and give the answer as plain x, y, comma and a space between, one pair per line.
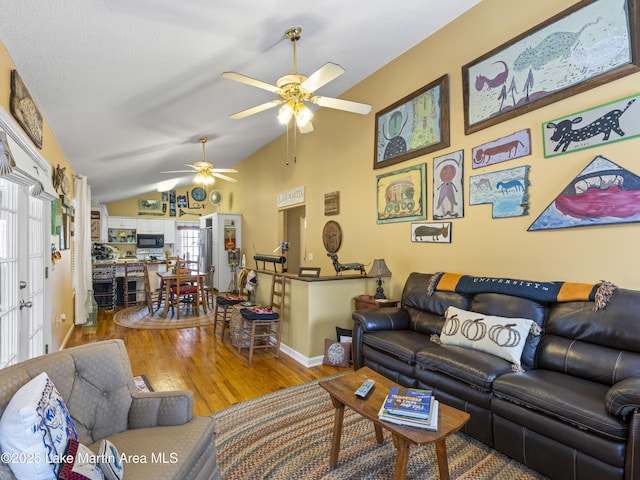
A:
96, 383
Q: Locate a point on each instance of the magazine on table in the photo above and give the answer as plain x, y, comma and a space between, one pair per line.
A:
430, 424
410, 402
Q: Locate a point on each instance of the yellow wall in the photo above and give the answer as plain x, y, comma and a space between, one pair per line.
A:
60, 278
338, 155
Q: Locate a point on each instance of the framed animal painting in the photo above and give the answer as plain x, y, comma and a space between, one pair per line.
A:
413, 126
506, 148
439, 232
505, 190
603, 193
447, 186
589, 44
401, 195
612, 122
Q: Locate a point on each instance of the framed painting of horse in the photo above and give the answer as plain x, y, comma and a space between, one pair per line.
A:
587, 45
504, 190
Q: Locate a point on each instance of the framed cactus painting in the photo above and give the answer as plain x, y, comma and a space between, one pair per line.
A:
591, 43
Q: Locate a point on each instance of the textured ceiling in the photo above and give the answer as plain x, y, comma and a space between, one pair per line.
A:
128, 87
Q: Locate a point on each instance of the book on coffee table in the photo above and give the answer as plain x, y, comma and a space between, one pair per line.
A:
410, 402
430, 424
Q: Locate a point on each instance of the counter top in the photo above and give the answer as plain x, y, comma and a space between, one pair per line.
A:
123, 261
322, 278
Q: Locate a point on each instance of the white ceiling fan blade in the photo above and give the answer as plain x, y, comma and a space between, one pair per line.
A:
256, 109
354, 107
179, 171
308, 128
224, 177
238, 77
329, 71
191, 166
225, 170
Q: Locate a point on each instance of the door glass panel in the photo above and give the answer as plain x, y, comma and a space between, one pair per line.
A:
9, 310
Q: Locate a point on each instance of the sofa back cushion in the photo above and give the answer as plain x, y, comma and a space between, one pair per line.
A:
602, 346
93, 380
426, 312
514, 307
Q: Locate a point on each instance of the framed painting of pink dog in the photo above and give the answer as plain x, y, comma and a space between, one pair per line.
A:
612, 122
587, 45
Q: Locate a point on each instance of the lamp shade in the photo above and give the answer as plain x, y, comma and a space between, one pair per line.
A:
379, 268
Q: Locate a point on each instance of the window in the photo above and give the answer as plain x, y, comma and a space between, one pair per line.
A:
188, 241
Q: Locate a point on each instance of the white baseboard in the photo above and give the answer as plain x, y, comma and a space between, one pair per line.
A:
298, 357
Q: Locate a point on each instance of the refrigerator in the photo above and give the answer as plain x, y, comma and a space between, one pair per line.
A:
220, 246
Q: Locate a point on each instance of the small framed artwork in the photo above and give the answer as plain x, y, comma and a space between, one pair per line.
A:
309, 272
506, 148
24, 109
95, 225
149, 205
587, 45
332, 203
439, 232
447, 186
401, 195
182, 201
415, 125
608, 123
504, 190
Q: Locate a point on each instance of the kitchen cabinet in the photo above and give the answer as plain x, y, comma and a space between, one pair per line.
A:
146, 225
169, 231
122, 222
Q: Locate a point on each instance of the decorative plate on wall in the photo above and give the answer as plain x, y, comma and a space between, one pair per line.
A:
198, 194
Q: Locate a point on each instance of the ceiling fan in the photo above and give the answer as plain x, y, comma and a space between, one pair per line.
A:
204, 170
295, 89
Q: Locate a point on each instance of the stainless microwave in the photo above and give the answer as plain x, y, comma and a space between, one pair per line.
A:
150, 240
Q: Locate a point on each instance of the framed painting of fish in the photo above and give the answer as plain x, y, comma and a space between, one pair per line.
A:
602, 193
590, 43
414, 125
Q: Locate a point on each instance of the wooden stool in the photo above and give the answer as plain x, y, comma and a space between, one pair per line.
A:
222, 309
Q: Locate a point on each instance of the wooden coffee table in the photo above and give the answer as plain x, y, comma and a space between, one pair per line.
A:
342, 390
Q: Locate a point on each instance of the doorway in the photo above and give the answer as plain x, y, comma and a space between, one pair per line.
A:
294, 232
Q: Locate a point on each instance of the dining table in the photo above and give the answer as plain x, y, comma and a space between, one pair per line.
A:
168, 279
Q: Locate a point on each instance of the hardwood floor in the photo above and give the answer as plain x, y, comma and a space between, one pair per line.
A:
196, 359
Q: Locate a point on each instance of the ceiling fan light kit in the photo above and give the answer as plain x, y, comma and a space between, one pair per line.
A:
295, 89
205, 173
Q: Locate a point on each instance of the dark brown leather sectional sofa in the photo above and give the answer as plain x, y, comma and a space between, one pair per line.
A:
573, 412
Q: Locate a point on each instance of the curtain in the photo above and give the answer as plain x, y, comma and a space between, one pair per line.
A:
83, 280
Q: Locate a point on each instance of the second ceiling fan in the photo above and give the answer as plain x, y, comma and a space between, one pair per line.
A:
295, 89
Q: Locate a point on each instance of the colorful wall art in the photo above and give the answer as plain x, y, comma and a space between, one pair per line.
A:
413, 126
506, 190
506, 148
584, 46
401, 195
612, 122
439, 232
447, 186
602, 193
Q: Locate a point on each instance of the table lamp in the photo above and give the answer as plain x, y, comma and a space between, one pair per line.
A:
379, 269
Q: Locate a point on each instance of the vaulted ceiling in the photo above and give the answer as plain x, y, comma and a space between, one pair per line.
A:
129, 87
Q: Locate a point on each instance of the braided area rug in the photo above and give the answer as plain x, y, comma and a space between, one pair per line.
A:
287, 435
138, 317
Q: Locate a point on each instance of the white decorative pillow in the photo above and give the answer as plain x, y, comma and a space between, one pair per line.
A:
36, 424
80, 463
109, 461
500, 336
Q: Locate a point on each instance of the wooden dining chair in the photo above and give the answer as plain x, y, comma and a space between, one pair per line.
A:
265, 327
185, 289
208, 286
151, 295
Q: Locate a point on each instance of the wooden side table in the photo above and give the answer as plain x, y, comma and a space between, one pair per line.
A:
367, 301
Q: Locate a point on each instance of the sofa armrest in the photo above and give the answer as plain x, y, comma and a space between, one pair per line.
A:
387, 318
155, 409
624, 397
